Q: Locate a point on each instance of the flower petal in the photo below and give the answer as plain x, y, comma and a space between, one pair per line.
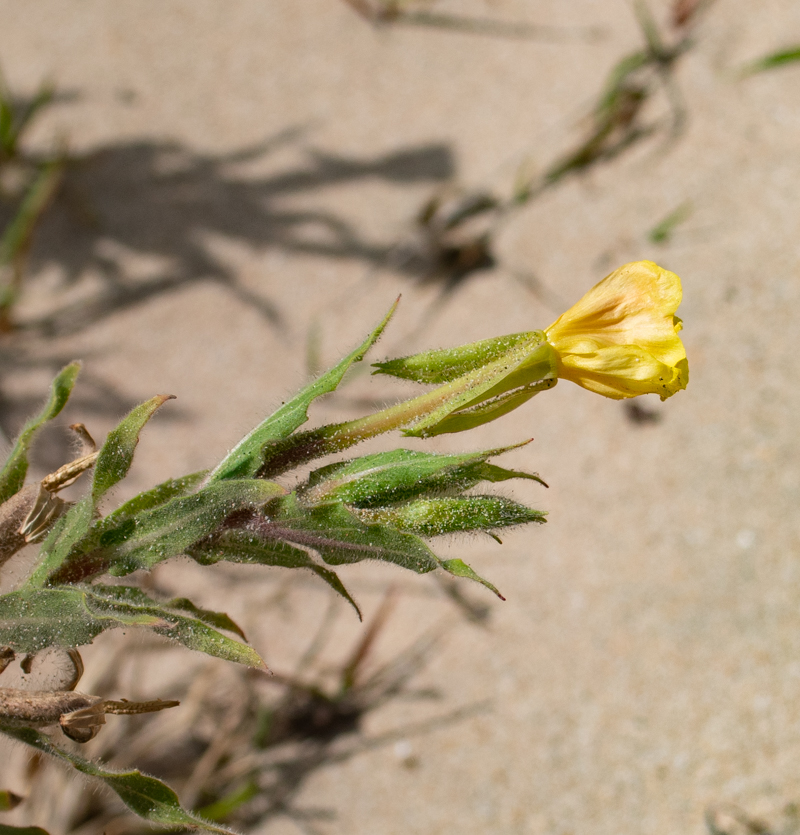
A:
621, 339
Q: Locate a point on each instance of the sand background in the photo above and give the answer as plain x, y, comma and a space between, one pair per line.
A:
646, 665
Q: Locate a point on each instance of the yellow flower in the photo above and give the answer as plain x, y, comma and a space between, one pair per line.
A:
621, 339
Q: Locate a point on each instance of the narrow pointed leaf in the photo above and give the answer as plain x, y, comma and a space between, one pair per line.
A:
167, 530
458, 568
248, 456
402, 474
112, 465
33, 620
160, 494
437, 517
12, 475
64, 536
340, 538
219, 620
61, 545
145, 796
76, 615
246, 547
198, 631
116, 456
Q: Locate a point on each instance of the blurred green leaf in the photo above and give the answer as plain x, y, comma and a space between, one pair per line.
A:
9, 801
5, 829
230, 803
145, 796
17, 234
6, 125
662, 231
12, 476
772, 61
75, 616
402, 474
14, 121
247, 457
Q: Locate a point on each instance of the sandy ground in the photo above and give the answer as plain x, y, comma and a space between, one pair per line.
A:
646, 665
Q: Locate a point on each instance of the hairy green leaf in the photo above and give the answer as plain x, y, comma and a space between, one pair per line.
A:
199, 631
145, 796
437, 517
112, 465
340, 538
12, 475
246, 547
247, 457
160, 494
167, 530
117, 525
219, 620
458, 568
403, 474
74, 616
116, 456
64, 536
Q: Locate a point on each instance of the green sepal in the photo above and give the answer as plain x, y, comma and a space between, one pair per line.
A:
493, 390
242, 546
147, 797
74, 616
15, 468
247, 458
403, 474
446, 365
438, 517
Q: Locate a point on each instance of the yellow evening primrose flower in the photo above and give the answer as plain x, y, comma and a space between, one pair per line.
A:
621, 339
